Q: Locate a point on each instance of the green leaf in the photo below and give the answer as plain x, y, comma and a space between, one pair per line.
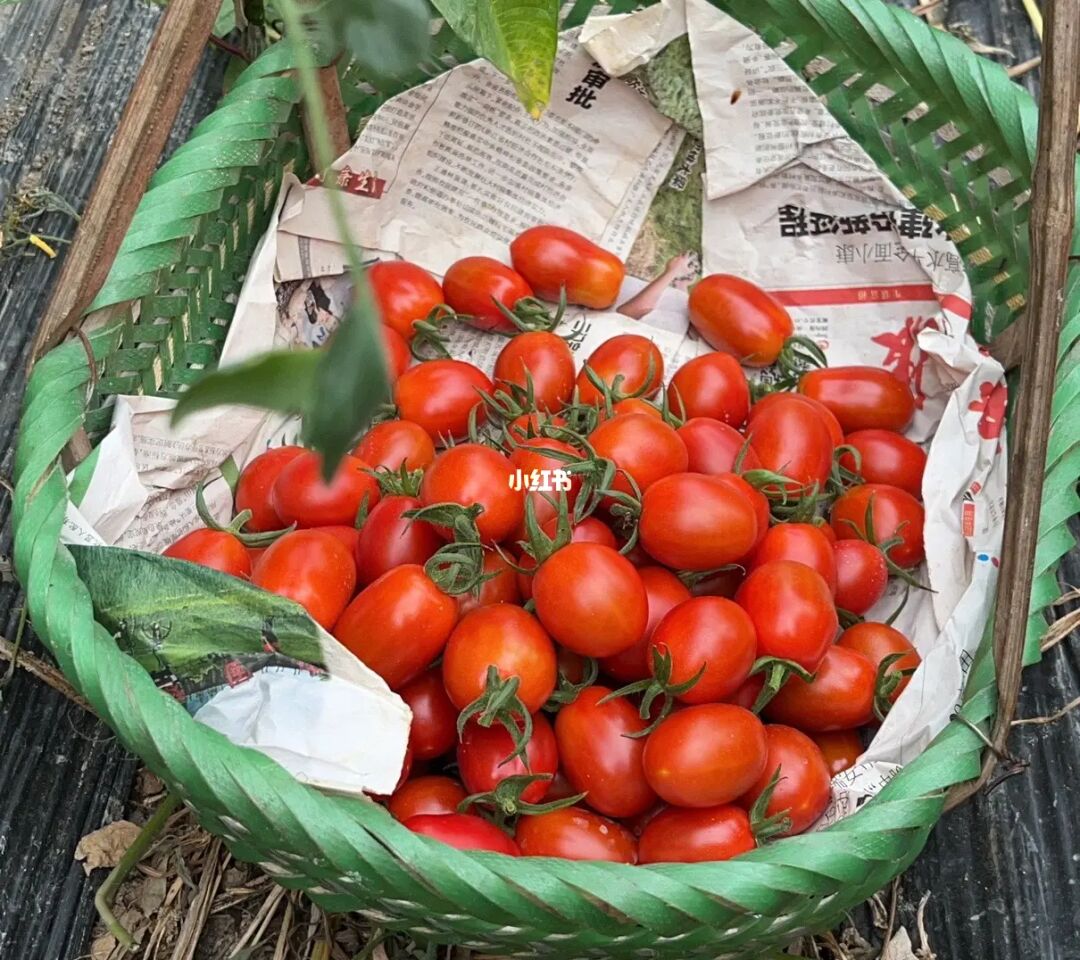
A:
519, 37
388, 38
226, 19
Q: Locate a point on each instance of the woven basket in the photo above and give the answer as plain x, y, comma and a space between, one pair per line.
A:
950, 129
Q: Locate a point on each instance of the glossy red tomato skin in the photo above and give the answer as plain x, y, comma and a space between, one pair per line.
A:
553, 258
425, 795
895, 512
473, 285
712, 385
792, 610
827, 417
389, 539
502, 587
509, 638
705, 755
680, 835
215, 549
532, 455
861, 575
574, 833
633, 357
549, 362
439, 396
398, 354
600, 757
690, 521
396, 443
641, 447
801, 542
482, 750
398, 625
840, 697
620, 408
840, 748
253, 489
709, 632
887, 457
591, 599
474, 473
464, 831
300, 496
803, 790
713, 446
664, 591
876, 641
433, 731
863, 398
348, 536
791, 439
739, 318
747, 694
757, 500
312, 568
403, 293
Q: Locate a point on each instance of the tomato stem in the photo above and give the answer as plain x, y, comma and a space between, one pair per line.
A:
506, 800
402, 482
777, 671
885, 683
658, 685
236, 525
765, 828
427, 333
567, 691
499, 703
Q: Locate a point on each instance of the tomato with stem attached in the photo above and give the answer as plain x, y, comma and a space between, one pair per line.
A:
802, 791
801, 542
540, 462
879, 642
840, 748
712, 385
311, 567
791, 439
403, 293
739, 318
482, 753
840, 696
574, 833
425, 795
255, 486
545, 359
886, 457
861, 575
464, 831
629, 365
555, 259
433, 731
301, 496
473, 473
620, 408
664, 591
713, 446
440, 396
643, 449
862, 398
895, 520
217, 549
499, 586
389, 539
475, 287
394, 444
687, 835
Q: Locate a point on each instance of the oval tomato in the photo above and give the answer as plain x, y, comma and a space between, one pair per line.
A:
394, 444
803, 791
676, 835
664, 591
473, 286
629, 363
253, 488
439, 395
757, 500
827, 417
403, 293
425, 795
216, 549
620, 408
348, 536
840, 748
464, 831
301, 496
553, 259
801, 542
433, 730
534, 460
876, 641
642, 448
861, 575
398, 354
887, 457
575, 834
546, 359
746, 696
840, 697
311, 567
712, 385
738, 317
501, 585
388, 539
714, 447
475, 474
589, 530
863, 398
482, 752
895, 513
791, 439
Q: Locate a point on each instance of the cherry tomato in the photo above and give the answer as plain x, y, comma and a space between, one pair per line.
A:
705, 755
691, 521
620, 408
535, 462
404, 293
482, 751
464, 831
301, 496
216, 549
710, 633
876, 641
574, 833
792, 609
398, 354
475, 474
589, 530
396, 443
425, 795
664, 591
714, 447
861, 575
801, 542
552, 259
398, 625
803, 790
527, 425
887, 457
439, 395
389, 539
473, 286
312, 568
349, 537
840, 697
560, 788
631, 359
840, 748
738, 317
712, 385
591, 599
863, 398
546, 359
894, 513
677, 835
747, 694
790, 438
642, 448
600, 755
433, 731
826, 416
511, 640
500, 587
755, 497
253, 489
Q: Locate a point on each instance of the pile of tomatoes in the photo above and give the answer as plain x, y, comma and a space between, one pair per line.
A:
662, 656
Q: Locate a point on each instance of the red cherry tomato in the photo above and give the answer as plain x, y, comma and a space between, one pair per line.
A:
473, 286
826, 416
876, 641
705, 755
840, 748
560, 788
464, 831
483, 750
861, 575
404, 293
253, 488
389, 539
398, 354
631, 359
476, 474
802, 792
552, 259
620, 408
500, 587
312, 568
863, 398
894, 512
690, 521
591, 599
348, 536
425, 795
574, 833
439, 395
664, 591
301, 496
434, 718
712, 385
535, 462
546, 359
589, 530
754, 497
714, 447
746, 696
677, 835
790, 438
511, 640
792, 609
801, 542
396, 443
840, 697
738, 317
216, 549
887, 457
600, 755
641, 447
527, 425
398, 625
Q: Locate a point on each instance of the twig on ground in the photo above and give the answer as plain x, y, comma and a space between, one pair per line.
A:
1050, 718
45, 672
1019, 69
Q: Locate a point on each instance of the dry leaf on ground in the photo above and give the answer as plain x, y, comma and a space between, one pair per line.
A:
105, 847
